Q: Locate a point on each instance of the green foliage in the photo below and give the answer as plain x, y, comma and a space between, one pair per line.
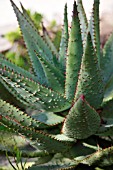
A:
18, 53
13, 36
65, 104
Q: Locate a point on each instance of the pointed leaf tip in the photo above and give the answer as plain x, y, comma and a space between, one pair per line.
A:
75, 53
82, 120
90, 81
82, 97
75, 12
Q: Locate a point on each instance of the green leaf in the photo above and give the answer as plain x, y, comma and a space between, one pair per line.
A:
82, 120
64, 41
19, 116
48, 118
49, 42
4, 63
108, 93
101, 157
75, 52
32, 93
33, 42
53, 167
4, 92
106, 129
7, 96
58, 163
83, 20
44, 167
63, 137
30, 28
54, 75
11, 91
107, 60
80, 150
107, 109
48, 142
95, 28
9, 140
90, 82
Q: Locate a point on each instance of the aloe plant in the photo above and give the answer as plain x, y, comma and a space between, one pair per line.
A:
68, 95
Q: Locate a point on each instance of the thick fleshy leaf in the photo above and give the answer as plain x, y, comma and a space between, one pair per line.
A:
59, 162
63, 137
9, 141
54, 167
4, 93
64, 41
54, 75
12, 92
75, 52
19, 116
102, 158
81, 149
82, 120
106, 129
7, 96
107, 109
90, 79
95, 28
48, 118
33, 42
30, 28
32, 93
5, 63
83, 20
49, 41
108, 93
107, 60
48, 142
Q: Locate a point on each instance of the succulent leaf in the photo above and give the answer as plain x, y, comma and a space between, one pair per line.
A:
107, 109
31, 30
33, 42
20, 116
82, 120
54, 75
108, 92
49, 142
83, 20
48, 118
63, 137
30, 92
95, 28
49, 41
67, 119
4, 63
53, 167
9, 140
9, 87
107, 61
64, 41
106, 129
102, 158
81, 150
75, 52
6, 95
90, 82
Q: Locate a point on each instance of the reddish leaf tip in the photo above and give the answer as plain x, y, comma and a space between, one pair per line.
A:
82, 97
